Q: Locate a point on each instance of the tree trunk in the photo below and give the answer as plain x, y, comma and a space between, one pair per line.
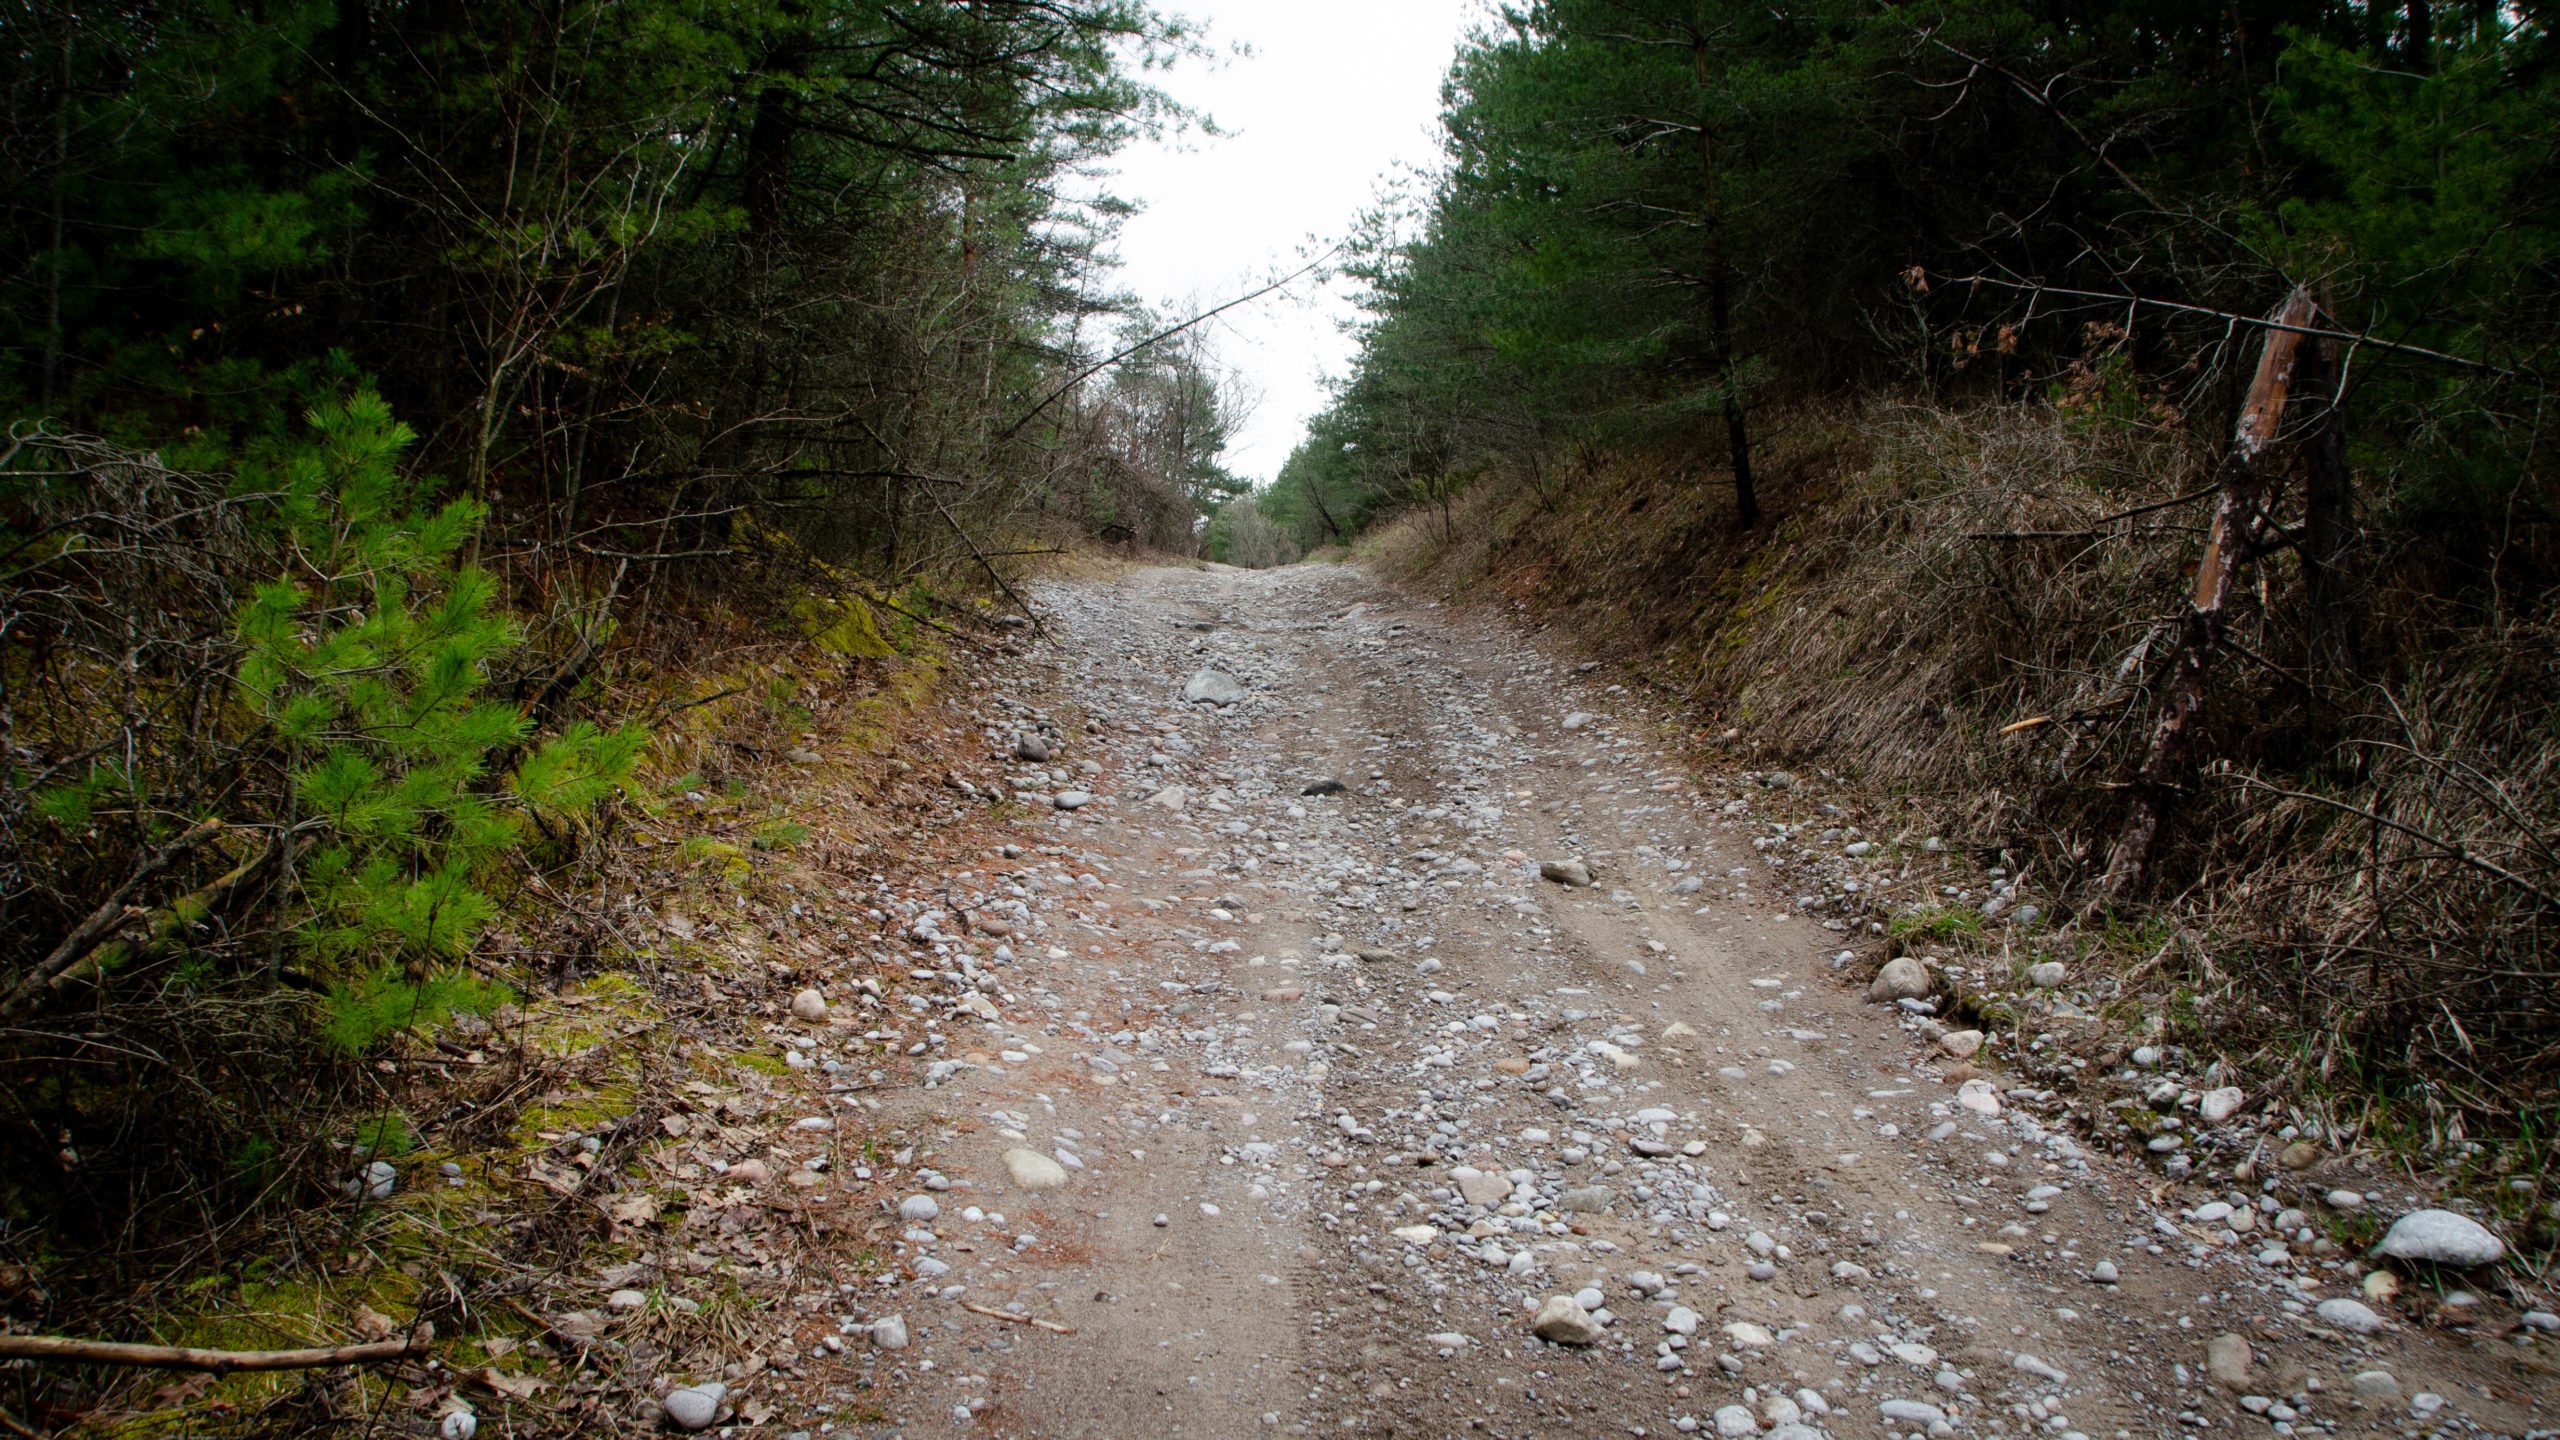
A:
2228, 546
1737, 429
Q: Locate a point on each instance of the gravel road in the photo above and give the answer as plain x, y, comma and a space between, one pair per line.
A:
1277, 1091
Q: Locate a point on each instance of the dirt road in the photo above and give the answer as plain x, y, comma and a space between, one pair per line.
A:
1342, 1092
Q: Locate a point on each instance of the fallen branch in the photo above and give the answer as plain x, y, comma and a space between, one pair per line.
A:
1052, 1326
216, 1362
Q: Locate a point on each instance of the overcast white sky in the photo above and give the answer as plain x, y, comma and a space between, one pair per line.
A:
1336, 95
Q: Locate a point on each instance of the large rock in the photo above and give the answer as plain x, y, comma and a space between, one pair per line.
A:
1565, 1322
2353, 1316
1214, 686
2221, 1104
1031, 747
1566, 872
1585, 1200
1480, 1188
2440, 1237
1034, 1171
695, 1406
1902, 978
2226, 1359
809, 1005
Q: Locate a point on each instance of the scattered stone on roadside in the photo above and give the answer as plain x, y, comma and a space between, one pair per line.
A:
1031, 747
2104, 1272
694, 1407
1171, 797
2219, 1105
2344, 1200
1565, 872
2440, 1237
1961, 1043
2376, 1383
627, 1300
1479, 1188
1034, 1171
809, 1005
1901, 978
1216, 687
1071, 799
2047, 974
1979, 1096
2226, 1359
2042, 1370
1564, 1322
2300, 1155
1584, 1200
1736, 1421
1576, 720
1374, 955
1326, 786
890, 1333
919, 1208
459, 1425
2352, 1316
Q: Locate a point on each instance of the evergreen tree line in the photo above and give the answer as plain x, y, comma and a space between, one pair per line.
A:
1658, 218
370, 368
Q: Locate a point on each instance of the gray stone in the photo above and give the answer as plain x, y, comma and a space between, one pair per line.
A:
1071, 799
1961, 1043
695, 1406
2219, 1105
627, 1300
1918, 1412
1565, 872
1479, 1188
1564, 1322
2042, 1370
890, 1333
919, 1208
1214, 686
2104, 1272
2376, 1382
2226, 1359
1902, 978
1034, 748
2353, 1316
2047, 975
1584, 1200
1034, 1171
809, 1005
2440, 1237
1736, 1421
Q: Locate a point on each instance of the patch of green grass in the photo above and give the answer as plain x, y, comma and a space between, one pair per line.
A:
1934, 922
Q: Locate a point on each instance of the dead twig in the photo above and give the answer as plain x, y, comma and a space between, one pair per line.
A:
216, 1362
1054, 1327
